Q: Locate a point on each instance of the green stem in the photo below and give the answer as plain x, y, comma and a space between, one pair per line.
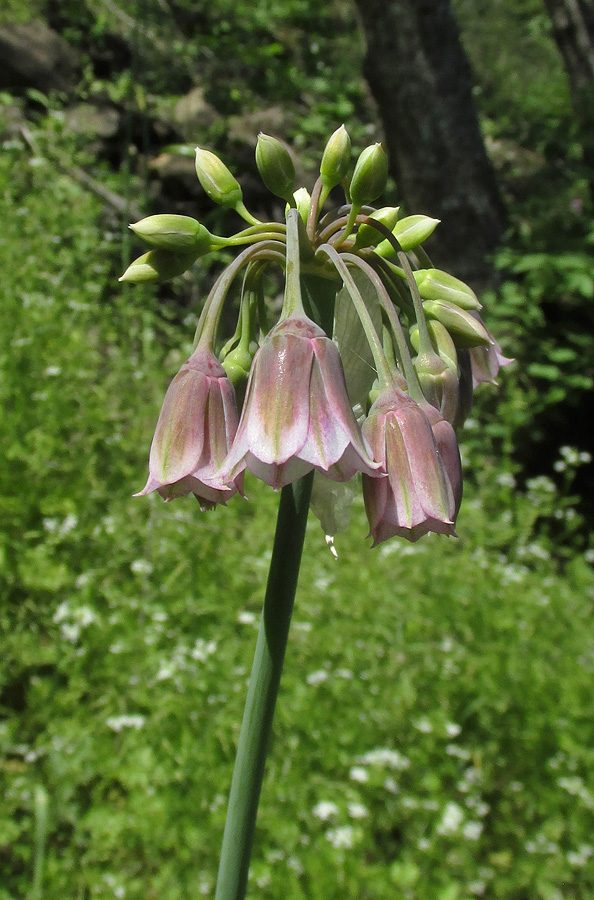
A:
263, 690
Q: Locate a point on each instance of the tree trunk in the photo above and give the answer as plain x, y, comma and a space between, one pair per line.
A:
421, 80
573, 30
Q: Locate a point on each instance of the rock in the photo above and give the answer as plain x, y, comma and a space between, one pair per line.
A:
93, 121
32, 55
194, 116
246, 128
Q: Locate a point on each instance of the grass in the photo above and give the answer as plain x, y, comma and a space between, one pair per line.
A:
433, 737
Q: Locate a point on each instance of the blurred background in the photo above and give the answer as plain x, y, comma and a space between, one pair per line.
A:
434, 736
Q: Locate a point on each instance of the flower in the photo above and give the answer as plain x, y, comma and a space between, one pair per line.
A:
196, 426
447, 444
297, 415
416, 496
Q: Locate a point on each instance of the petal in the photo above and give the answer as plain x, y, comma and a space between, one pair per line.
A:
179, 436
277, 409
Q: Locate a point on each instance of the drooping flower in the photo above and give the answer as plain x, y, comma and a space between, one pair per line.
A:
416, 496
297, 415
196, 427
447, 444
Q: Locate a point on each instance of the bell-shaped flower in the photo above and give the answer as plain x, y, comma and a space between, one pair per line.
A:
196, 427
416, 496
447, 444
297, 416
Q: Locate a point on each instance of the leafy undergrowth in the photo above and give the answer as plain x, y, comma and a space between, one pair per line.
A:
434, 736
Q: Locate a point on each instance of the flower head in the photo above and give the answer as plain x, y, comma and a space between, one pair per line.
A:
196, 426
416, 496
297, 415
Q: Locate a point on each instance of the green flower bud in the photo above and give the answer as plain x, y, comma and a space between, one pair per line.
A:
335, 158
158, 265
434, 284
216, 179
276, 167
302, 200
465, 330
441, 340
237, 365
370, 175
177, 233
367, 235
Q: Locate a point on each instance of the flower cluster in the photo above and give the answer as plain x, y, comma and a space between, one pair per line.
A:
369, 368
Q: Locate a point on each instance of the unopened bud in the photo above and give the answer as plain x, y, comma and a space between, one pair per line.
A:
434, 284
465, 330
302, 200
441, 340
216, 179
158, 265
367, 235
409, 232
438, 383
177, 233
276, 167
370, 175
237, 365
336, 158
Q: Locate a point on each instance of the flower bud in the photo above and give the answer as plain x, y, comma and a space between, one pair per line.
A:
336, 158
370, 175
276, 167
433, 284
179, 234
158, 265
367, 235
464, 329
441, 340
216, 179
438, 383
409, 232
302, 200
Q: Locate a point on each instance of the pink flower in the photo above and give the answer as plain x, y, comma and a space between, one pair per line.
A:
297, 415
196, 427
447, 444
486, 361
416, 496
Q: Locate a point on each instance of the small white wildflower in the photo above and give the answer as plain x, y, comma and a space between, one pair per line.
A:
117, 723
344, 673
325, 810
245, 617
302, 626
472, 830
506, 479
62, 612
316, 678
70, 632
358, 773
423, 844
391, 786
141, 567
383, 756
203, 649
452, 729
52, 371
451, 819
423, 725
342, 838
357, 811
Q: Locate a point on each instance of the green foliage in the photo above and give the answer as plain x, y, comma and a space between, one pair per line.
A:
433, 736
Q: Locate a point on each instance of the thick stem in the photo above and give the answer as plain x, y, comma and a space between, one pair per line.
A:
263, 690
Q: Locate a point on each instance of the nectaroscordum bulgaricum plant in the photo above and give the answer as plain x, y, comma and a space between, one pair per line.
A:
370, 367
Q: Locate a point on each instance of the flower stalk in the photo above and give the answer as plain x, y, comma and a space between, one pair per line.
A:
263, 688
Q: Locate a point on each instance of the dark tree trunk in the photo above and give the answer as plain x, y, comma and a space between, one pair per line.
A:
421, 80
573, 30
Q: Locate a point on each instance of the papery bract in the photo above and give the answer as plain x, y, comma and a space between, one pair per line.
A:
197, 423
416, 496
486, 361
297, 415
